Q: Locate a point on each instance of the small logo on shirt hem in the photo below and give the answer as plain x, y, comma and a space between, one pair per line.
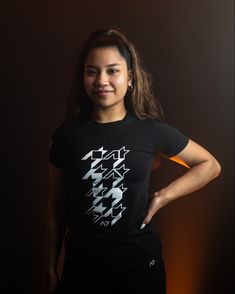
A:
152, 262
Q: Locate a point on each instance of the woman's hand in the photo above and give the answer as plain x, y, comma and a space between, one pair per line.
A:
156, 202
53, 282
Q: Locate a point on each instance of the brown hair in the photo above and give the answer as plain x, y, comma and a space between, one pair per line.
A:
140, 101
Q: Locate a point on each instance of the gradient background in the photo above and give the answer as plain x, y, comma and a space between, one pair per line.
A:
187, 46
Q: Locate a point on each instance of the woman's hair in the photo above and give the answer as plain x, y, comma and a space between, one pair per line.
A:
140, 101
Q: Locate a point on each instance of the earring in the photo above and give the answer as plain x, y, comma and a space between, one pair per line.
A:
130, 88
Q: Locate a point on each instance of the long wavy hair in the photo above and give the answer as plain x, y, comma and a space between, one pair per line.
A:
140, 101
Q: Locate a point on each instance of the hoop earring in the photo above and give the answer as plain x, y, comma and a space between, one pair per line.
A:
130, 88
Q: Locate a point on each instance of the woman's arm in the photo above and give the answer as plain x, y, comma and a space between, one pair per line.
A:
57, 209
202, 168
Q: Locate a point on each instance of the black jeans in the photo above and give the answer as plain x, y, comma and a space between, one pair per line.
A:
84, 280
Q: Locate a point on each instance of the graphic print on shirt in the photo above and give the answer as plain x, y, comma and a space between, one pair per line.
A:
107, 205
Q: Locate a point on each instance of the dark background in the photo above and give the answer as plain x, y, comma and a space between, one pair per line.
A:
187, 46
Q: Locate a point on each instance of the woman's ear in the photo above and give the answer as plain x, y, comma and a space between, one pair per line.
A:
130, 78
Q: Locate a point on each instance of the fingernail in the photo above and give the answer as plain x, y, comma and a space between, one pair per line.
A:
142, 226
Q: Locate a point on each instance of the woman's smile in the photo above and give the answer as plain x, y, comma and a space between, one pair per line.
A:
103, 93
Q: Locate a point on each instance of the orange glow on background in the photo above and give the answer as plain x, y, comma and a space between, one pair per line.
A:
184, 231
178, 160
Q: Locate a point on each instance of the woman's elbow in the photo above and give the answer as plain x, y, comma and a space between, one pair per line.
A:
215, 168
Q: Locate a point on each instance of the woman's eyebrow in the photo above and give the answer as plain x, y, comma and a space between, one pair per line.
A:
109, 65
113, 64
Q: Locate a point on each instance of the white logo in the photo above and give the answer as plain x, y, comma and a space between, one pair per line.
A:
107, 205
152, 262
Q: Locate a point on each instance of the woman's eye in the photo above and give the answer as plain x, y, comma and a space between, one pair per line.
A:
113, 71
90, 72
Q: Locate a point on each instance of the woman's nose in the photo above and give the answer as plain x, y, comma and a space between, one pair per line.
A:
102, 79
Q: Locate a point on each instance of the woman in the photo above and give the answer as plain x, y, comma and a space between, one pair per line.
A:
100, 163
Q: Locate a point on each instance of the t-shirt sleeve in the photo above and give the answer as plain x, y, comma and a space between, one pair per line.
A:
57, 151
168, 140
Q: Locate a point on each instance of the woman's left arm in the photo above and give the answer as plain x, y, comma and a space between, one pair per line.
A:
202, 168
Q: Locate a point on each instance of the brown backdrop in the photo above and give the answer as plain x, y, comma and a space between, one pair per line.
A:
187, 45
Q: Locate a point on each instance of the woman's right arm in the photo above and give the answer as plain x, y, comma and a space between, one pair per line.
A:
57, 210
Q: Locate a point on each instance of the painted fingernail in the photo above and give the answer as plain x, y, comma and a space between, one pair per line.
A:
142, 226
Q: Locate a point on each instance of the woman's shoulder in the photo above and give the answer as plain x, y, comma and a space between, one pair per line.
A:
149, 121
158, 123
66, 127
161, 127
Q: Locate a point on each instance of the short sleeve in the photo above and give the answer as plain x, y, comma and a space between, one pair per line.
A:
169, 141
57, 154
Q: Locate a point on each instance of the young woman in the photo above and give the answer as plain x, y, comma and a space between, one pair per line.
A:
101, 158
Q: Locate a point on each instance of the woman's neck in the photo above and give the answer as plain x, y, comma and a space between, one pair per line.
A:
106, 116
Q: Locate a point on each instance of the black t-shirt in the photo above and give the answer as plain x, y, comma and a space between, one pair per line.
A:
107, 169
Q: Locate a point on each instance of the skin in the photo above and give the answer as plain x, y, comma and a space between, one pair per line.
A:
106, 80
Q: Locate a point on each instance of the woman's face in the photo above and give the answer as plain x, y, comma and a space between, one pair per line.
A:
106, 77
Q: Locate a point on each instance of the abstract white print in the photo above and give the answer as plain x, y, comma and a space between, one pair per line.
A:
107, 185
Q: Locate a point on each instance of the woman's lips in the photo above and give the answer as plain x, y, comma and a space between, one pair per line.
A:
102, 93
